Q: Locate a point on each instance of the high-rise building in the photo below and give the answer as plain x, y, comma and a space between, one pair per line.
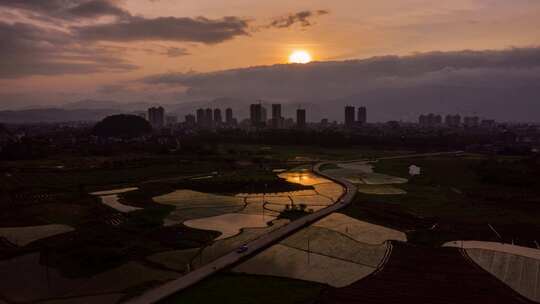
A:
471, 121
430, 120
422, 120
434, 120
208, 118
156, 117
264, 116
276, 110
452, 121
229, 116
256, 115
457, 120
277, 119
301, 118
201, 118
218, 120
349, 116
362, 115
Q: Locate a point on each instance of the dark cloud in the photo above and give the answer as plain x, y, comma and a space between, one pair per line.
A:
352, 74
303, 18
30, 50
176, 52
467, 81
199, 29
72, 9
98, 8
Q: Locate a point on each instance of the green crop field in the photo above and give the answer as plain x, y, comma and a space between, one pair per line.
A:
461, 196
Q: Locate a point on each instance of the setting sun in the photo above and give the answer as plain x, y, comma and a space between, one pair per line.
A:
299, 57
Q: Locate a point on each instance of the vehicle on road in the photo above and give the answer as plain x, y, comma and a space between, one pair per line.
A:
242, 249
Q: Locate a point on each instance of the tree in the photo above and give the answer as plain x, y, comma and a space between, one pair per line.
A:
122, 126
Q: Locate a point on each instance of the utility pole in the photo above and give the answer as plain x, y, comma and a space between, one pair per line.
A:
308, 251
263, 200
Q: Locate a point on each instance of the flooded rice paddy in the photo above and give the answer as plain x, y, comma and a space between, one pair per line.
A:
111, 197
337, 250
303, 177
230, 214
230, 224
516, 266
362, 173
194, 204
240, 218
22, 236
359, 230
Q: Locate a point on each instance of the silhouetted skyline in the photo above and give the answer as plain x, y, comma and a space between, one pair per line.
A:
378, 53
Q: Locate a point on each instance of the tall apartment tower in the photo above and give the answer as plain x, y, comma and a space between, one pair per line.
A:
201, 118
349, 116
301, 118
218, 120
430, 120
276, 110
156, 117
452, 121
208, 118
471, 121
277, 119
422, 120
438, 120
362, 115
256, 115
264, 116
229, 117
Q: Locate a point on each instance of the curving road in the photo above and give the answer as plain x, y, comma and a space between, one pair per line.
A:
172, 287
255, 246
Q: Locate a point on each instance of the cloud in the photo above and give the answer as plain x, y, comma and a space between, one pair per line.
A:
73, 9
303, 18
333, 76
471, 81
97, 8
31, 50
185, 29
176, 52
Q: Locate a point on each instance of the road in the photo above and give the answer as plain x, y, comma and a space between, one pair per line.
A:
255, 246
172, 287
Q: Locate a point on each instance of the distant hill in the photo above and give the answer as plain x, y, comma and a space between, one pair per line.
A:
91, 104
54, 115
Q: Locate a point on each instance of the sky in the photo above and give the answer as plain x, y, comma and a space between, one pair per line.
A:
56, 51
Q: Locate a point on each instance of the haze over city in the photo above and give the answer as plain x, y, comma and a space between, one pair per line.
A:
400, 59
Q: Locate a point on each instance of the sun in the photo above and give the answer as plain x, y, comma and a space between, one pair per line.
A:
300, 56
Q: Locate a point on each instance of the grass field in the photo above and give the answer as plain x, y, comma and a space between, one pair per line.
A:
456, 198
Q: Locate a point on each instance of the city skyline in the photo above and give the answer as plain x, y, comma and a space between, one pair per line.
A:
452, 57
353, 118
